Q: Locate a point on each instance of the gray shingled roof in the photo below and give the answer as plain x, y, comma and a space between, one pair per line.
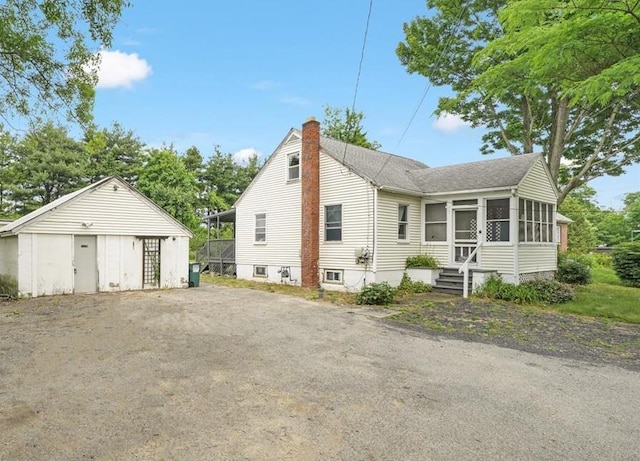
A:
386, 170
486, 174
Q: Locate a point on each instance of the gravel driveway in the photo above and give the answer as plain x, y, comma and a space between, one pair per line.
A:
221, 373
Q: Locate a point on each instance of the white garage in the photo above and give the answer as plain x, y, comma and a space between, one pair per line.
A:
104, 237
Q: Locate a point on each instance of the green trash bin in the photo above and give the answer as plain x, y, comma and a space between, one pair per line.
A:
194, 274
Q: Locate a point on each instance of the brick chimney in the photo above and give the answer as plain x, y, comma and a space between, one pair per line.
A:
310, 183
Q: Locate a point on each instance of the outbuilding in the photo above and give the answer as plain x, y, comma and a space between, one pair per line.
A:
104, 237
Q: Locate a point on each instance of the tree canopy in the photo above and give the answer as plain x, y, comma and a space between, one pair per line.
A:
48, 55
346, 126
549, 75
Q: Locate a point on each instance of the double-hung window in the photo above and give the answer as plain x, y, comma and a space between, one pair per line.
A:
261, 228
333, 223
293, 166
498, 220
403, 222
435, 222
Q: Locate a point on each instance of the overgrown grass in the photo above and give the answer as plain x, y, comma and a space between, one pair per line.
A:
606, 298
335, 297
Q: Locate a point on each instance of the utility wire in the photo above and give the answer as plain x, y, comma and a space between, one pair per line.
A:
429, 84
355, 93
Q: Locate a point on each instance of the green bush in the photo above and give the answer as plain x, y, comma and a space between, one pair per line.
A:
375, 294
626, 262
421, 261
602, 259
408, 286
552, 291
573, 269
545, 291
8, 286
495, 288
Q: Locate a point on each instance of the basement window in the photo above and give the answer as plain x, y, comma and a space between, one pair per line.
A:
293, 166
259, 271
333, 276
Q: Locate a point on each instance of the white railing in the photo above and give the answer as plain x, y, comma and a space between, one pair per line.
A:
464, 269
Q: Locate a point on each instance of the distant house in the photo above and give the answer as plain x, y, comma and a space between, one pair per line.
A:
323, 212
104, 237
562, 231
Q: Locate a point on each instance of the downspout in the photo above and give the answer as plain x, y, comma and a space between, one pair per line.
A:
516, 235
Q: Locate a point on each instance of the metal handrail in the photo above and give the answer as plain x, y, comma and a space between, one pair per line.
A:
464, 269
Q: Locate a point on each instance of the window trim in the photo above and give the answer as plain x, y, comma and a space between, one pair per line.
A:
487, 220
289, 167
340, 273
405, 223
255, 228
445, 222
326, 223
260, 266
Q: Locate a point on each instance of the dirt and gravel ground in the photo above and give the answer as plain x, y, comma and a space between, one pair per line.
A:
548, 332
223, 373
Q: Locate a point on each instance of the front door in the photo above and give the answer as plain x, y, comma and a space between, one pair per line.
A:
85, 264
465, 234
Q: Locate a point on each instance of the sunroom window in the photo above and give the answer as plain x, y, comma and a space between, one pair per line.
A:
535, 221
498, 220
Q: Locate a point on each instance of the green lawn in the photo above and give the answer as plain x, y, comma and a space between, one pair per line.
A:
605, 297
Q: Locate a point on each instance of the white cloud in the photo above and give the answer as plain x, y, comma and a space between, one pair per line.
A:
118, 69
243, 155
265, 85
449, 123
294, 100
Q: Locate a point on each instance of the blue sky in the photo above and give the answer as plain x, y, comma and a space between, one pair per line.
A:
240, 73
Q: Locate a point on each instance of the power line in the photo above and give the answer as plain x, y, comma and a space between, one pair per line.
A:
355, 93
429, 84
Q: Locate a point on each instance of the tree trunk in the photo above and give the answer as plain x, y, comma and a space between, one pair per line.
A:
560, 114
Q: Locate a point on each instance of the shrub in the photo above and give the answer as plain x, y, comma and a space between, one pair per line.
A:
602, 259
8, 286
546, 291
552, 291
408, 286
421, 261
626, 262
375, 294
573, 270
495, 288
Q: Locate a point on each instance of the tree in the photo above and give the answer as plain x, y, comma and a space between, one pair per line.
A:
114, 151
166, 181
48, 164
346, 126
533, 73
582, 236
7, 179
48, 59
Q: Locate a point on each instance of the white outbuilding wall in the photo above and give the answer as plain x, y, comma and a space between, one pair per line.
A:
39, 249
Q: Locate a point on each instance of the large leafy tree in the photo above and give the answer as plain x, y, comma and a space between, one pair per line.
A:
47, 164
114, 151
555, 75
346, 126
166, 181
48, 54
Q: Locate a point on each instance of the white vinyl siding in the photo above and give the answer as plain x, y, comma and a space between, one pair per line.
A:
537, 258
391, 254
537, 185
498, 258
110, 209
340, 186
280, 200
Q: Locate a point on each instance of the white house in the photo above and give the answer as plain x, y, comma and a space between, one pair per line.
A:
323, 212
104, 237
